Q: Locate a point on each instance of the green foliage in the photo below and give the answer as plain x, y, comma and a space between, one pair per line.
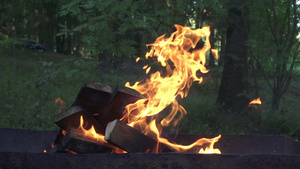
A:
108, 25
25, 95
273, 45
75, 67
276, 122
31, 19
5, 41
123, 27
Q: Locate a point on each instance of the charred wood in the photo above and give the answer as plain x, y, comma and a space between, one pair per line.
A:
121, 97
71, 119
93, 97
130, 139
75, 141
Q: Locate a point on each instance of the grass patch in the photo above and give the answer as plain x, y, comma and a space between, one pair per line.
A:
30, 90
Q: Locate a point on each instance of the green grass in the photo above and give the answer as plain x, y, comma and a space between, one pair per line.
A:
29, 93
204, 116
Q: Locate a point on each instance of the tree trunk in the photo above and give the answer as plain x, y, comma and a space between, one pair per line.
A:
234, 83
68, 46
284, 32
275, 100
222, 53
60, 41
211, 61
50, 33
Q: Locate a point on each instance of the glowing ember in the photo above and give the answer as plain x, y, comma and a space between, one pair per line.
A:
70, 151
62, 104
63, 132
255, 101
181, 62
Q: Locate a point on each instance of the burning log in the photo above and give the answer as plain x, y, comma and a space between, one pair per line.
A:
76, 141
97, 106
71, 119
121, 97
93, 97
130, 139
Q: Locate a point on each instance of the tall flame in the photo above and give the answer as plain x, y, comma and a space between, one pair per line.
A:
182, 62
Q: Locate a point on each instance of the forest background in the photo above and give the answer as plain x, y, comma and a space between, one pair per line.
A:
257, 40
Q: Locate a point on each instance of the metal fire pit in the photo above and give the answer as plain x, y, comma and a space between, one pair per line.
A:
24, 149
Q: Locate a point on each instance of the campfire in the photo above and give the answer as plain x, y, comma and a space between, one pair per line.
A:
104, 123
128, 119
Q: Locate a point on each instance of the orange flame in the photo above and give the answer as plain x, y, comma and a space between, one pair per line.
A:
92, 136
62, 104
255, 101
137, 59
182, 148
70, 151
181, 62
63, 132
215, 53
91, 133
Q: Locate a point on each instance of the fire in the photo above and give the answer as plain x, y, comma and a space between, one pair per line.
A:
215, 53
255, 101
210, 149
91, 133
182, 148
62, 104
182, 62
137, 59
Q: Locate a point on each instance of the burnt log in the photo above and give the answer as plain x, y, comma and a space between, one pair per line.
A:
71, 119
121, 97
130, 139
76, 141
93, 97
